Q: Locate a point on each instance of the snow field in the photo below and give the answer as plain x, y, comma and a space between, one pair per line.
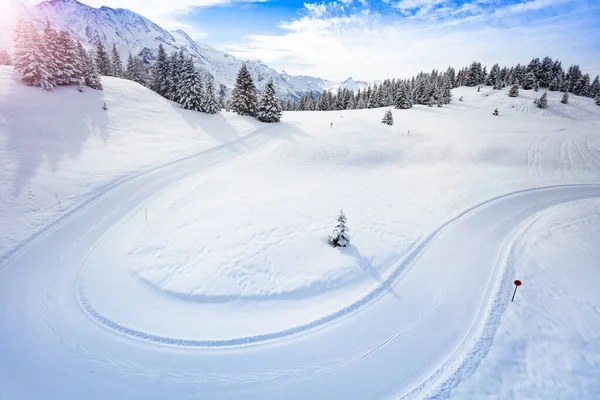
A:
235, 252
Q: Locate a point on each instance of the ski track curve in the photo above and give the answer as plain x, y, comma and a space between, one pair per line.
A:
46, 318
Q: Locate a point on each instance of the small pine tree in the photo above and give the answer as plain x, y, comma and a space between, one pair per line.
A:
210, 102
69, 73
496, 112
103, 60
116, 64
565, 98
514, 91
543, 101
269, 107
460, 98
339, 237
243, 96
5, 57
388, 118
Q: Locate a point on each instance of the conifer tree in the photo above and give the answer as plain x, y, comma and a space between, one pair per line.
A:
543, 101
565, 98
495, 113
211, 106
191, 92
160, 73
529, 82
91, 77
51, 53
174, 72
269, 108
135, 70
403, 101
243, 97
5, 57
598, 99
595, 87
514, 91
68, 72
29, 58
339, 237
116, 63
388, 118
103, 60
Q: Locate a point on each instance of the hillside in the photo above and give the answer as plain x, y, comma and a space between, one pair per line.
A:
189, 253
62, 143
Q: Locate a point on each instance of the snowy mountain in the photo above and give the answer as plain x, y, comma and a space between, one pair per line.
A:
134, 33
349, 84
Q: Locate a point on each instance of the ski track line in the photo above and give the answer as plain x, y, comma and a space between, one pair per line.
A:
108, 188
398, 271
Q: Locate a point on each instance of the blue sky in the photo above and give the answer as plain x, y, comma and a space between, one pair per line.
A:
376, 39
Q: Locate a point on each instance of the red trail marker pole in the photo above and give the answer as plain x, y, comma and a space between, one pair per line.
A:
517, 284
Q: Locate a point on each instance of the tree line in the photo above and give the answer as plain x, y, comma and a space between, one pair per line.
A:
434, 88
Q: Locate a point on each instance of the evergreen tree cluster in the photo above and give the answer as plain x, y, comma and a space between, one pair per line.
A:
176, 78
47, 58
434, 88
244, 99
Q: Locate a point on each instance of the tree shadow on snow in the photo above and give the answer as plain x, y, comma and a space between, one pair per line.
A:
49, 126
367, 264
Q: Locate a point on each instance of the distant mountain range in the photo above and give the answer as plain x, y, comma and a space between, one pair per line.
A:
134, 33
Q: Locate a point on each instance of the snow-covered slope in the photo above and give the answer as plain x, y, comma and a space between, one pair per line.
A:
228, 248
62, 143
134, 33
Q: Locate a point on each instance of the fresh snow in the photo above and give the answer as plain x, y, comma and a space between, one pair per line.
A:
212, 276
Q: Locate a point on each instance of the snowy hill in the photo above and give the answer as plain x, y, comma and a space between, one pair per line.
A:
134, 33
178, 232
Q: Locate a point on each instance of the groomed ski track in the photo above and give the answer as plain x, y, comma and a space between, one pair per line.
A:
53, 344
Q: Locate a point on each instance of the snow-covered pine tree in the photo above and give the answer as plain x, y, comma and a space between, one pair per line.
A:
222, 95
116, 63
543, 101
5, 57
243, 96
175, 70
102, 60
191, 91
29, 60
269, 108
514, 91
68, 73
565, 98
135, 70
91, 77
211, 106
598, 99
160, 72
339, 237
388, 118
595, 87
529, 81
403, 101
51, 53
496, 112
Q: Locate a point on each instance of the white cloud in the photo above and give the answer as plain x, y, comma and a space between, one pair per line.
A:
365, 47
315, 9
